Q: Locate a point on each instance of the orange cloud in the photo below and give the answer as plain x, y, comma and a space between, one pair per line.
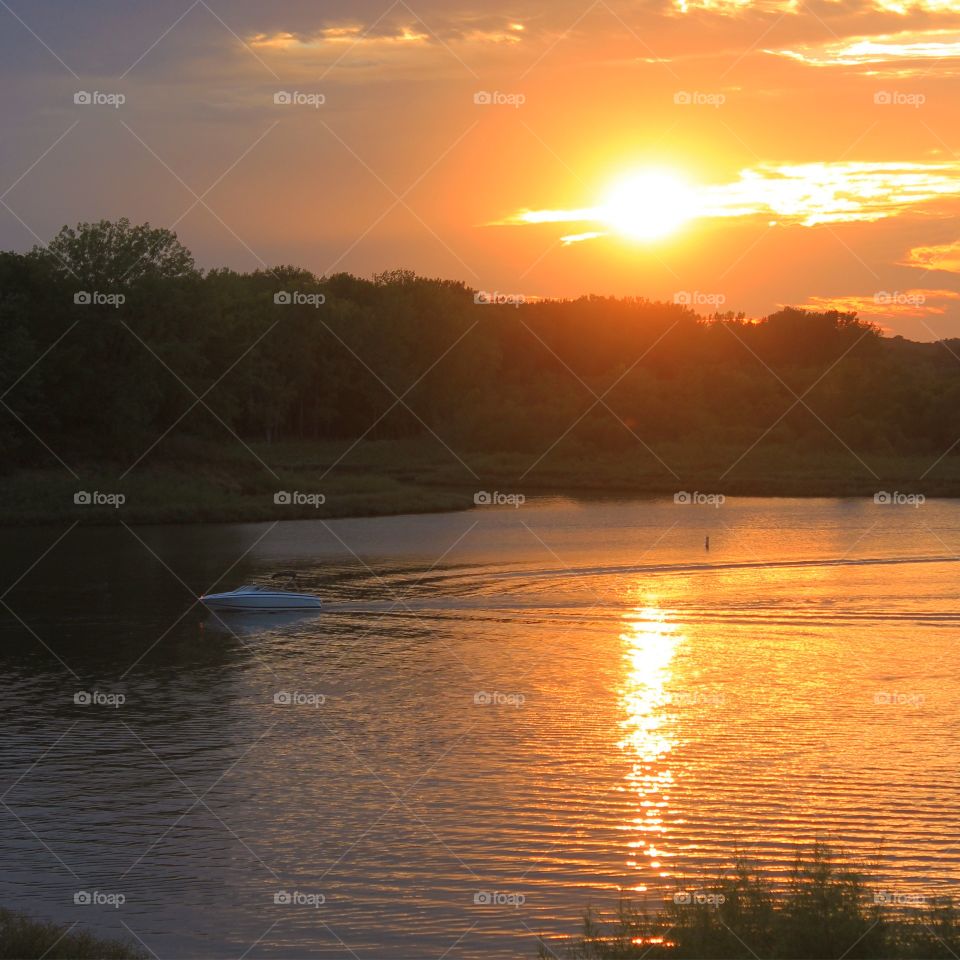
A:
884, 305
900, 53
903, 7
353, 35
942, 256
804, 194
733, 7
358, 35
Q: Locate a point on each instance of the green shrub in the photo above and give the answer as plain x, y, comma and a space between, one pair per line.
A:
23, 938
826, 911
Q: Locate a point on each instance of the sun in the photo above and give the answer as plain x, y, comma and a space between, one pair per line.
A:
648, 205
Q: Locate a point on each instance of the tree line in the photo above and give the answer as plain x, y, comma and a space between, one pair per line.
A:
112, 336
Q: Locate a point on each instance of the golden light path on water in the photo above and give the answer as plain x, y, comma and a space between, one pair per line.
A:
646, 717
649, 643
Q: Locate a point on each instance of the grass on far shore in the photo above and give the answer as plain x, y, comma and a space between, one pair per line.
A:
189, 481
827, 910
23, 938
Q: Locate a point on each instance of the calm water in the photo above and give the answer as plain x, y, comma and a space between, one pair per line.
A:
540, 707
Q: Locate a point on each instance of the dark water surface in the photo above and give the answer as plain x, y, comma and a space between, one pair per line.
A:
524, 711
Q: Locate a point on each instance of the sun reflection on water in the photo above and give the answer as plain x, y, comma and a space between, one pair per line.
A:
649, 644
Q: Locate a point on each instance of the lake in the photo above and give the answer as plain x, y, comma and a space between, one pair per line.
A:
500, 717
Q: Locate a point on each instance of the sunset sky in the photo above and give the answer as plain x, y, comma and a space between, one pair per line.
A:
749, 154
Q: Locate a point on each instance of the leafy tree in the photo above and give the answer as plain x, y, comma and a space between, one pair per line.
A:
115, 255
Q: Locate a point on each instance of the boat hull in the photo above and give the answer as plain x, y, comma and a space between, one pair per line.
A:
260, 600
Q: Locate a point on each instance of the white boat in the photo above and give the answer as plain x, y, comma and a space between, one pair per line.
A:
254, 598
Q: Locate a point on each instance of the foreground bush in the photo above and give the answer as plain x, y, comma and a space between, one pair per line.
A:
22, 938
826, 911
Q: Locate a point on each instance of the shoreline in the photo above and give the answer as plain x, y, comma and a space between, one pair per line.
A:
225, 493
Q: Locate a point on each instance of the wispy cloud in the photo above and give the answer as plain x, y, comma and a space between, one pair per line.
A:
901, 53
901, 8
940, 256
904, 7
734, 7
805, 194
351, 35
383, 37
889, 305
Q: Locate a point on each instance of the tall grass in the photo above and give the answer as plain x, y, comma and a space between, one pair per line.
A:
827, 911
23, 938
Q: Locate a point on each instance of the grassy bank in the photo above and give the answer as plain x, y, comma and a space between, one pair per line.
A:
23, 938
826, 911
194, 482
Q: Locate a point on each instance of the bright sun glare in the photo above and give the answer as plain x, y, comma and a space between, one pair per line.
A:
648, 205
